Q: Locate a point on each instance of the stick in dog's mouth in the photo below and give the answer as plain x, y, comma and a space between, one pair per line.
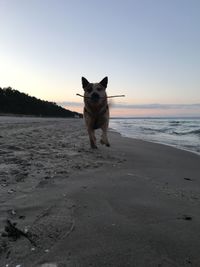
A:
102, 97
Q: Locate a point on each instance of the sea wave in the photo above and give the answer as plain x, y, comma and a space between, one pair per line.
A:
174, 123
193, 132
156, 130
182, 133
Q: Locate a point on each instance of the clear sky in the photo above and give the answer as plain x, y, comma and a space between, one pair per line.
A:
149, 49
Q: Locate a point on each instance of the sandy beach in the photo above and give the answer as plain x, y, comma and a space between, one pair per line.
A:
134, 204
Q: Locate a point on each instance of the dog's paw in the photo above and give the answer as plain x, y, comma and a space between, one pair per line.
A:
102, 142
93, 146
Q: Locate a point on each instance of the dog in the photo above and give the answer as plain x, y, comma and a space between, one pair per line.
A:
96, 110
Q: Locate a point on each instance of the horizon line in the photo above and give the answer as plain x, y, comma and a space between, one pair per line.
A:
137, 106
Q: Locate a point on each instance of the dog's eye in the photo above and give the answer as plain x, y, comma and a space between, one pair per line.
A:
89, 90
99, 89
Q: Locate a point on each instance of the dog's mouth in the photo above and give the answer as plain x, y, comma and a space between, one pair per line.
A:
95, 98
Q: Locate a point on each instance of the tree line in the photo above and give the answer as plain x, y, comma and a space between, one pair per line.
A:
14, 102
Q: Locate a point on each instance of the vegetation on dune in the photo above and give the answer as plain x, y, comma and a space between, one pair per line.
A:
14, 102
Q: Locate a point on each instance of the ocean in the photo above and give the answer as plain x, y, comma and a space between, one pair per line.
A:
182, 133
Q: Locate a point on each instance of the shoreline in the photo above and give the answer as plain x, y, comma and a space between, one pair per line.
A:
35, 116
133, 204
183, 133
154, 142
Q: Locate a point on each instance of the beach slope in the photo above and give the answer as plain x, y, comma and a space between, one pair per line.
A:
133, 204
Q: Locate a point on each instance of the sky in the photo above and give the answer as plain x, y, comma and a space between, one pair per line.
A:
149, 49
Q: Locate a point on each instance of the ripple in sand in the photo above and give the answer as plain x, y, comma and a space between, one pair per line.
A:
49, 265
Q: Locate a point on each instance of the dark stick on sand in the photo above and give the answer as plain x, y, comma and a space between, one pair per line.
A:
15, 233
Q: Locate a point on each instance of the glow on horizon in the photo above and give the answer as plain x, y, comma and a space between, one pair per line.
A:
146, 112
150, 51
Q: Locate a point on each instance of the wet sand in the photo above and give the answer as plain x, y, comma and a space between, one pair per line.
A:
134, 204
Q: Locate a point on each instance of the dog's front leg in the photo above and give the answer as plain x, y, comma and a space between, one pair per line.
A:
104, 138
92, 138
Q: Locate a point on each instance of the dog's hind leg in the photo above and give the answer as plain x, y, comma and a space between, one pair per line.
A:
92, 138
104, 138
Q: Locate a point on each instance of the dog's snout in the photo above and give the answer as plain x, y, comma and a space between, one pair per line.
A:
95, 97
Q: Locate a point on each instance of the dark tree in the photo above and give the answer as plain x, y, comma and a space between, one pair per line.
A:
15, 102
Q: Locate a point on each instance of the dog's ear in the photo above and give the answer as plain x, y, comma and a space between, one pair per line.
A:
104, 82
84, 82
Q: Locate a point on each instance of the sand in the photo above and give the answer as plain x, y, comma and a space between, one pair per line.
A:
134, 204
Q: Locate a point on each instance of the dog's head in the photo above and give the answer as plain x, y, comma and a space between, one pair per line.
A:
95, 93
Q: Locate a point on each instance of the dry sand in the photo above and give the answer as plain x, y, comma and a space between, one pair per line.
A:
133, 204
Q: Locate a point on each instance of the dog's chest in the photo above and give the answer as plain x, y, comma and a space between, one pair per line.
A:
96, 118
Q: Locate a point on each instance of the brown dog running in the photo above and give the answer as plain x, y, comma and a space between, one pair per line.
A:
96, 111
